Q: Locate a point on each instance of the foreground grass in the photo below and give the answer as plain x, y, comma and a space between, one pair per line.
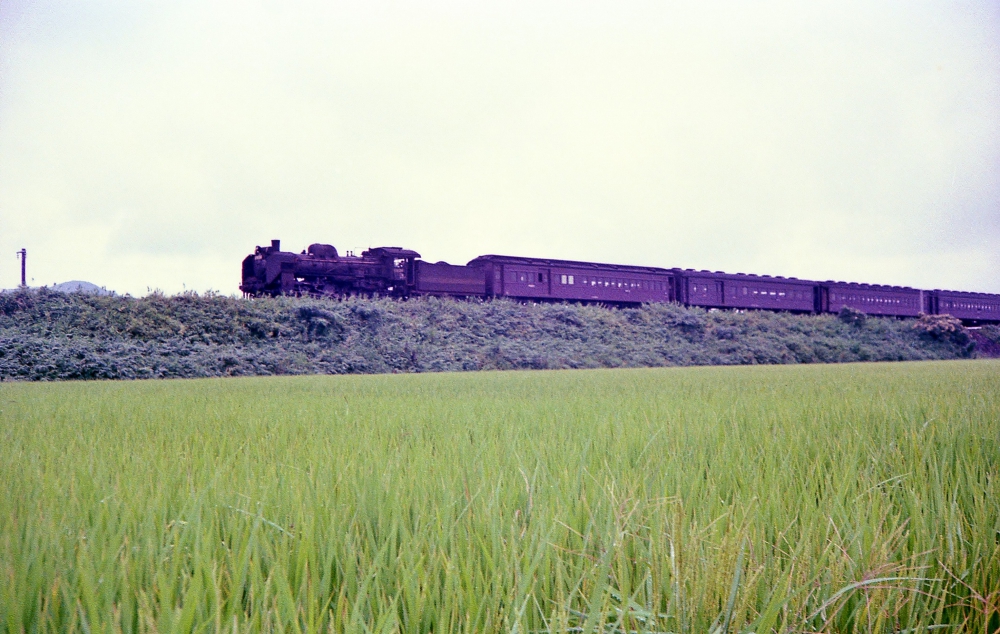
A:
816, 498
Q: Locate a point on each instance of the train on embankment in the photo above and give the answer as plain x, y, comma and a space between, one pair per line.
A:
321, 271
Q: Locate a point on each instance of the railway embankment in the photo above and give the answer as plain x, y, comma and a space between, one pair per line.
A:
55, 336
987, 340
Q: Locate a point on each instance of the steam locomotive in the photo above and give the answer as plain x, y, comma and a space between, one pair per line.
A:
396, 272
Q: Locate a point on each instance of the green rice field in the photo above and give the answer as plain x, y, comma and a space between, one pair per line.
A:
845, 498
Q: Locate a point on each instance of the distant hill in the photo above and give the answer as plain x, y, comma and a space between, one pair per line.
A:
74, 286
79, 286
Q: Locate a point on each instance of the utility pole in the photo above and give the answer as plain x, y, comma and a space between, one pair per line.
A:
23, 254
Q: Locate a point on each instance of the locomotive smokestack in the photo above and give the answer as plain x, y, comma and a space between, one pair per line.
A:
276, 245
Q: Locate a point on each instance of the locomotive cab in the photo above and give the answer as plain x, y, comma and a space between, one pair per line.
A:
397, 267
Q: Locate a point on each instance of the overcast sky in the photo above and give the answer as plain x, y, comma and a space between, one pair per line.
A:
154, 144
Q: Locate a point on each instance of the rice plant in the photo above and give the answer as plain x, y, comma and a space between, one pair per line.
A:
848, 498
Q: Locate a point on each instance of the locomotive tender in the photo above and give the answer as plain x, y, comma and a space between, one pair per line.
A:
395, 272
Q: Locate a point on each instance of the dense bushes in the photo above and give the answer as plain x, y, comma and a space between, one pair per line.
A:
987, 340
46, 335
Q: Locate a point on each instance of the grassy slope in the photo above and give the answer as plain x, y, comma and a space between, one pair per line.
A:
45, 335
840, 498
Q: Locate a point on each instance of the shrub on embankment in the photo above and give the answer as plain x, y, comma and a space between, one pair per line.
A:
47, 336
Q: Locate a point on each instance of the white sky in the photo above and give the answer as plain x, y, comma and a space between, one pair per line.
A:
153, 145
